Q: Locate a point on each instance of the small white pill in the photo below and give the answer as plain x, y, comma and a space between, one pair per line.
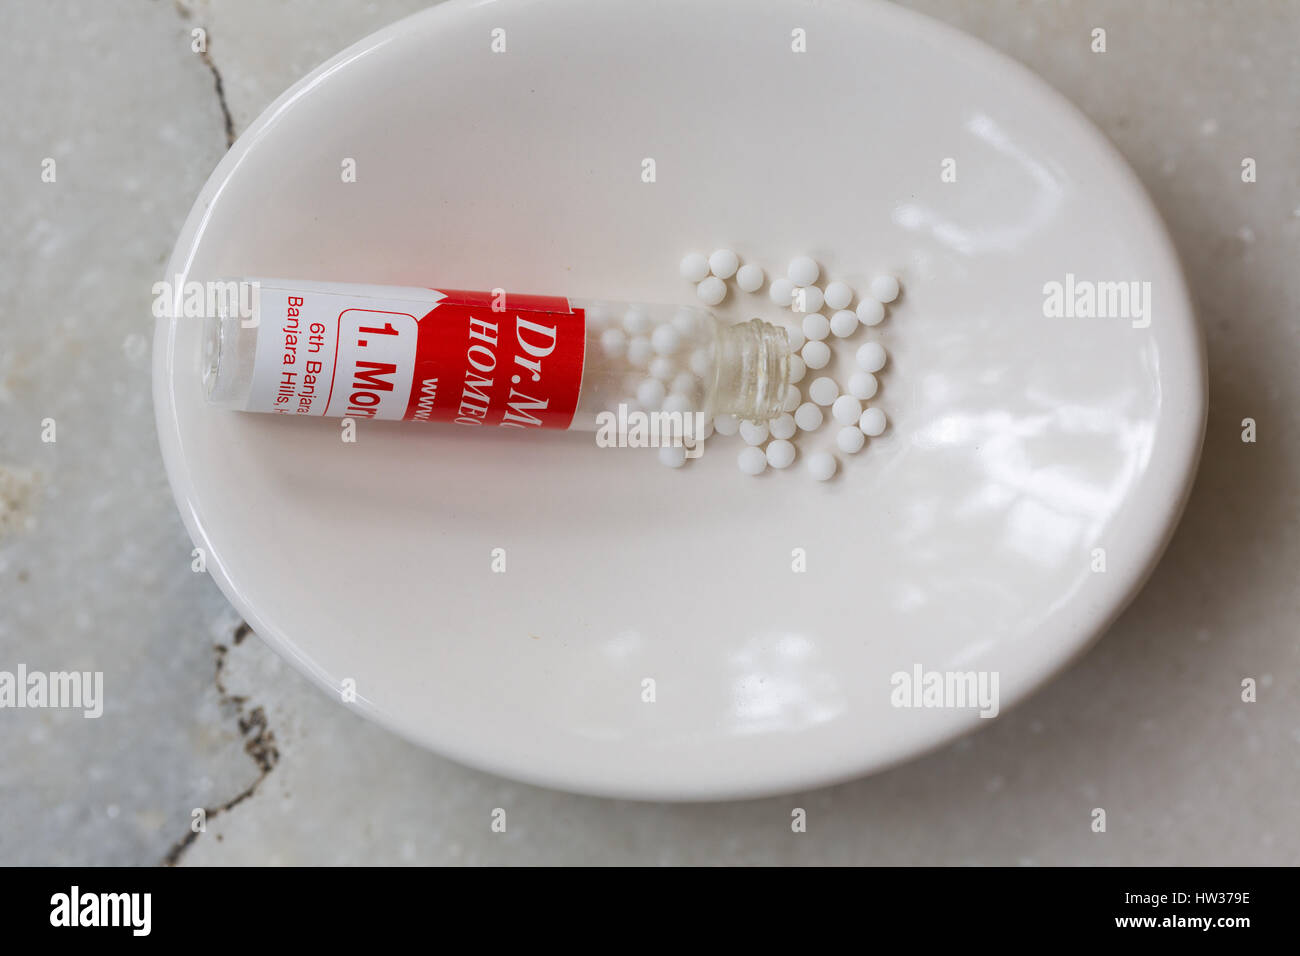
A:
872, 422
666, 340
803, 270
685, 383
838, 295
792, 399
754, 433
816, 354
711, 291
862, 385
871, 357
822, 465
694, 267
724, 263
750, 278
678, 403
823, 390
701, 363
806, 299
726, 424
780, 292
662, 367
844, 323
651, 393
636, 320
640, 352
780, 453
686, 321
846, 410
816, 326
783, 426
870, 312
752, 461
850, 440
798, 368
613, 342
796, 338
674, 456
808, 417
884, 288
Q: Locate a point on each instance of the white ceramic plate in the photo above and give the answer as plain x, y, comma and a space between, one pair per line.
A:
964, 539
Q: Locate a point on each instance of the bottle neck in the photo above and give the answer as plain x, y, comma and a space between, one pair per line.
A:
753, 370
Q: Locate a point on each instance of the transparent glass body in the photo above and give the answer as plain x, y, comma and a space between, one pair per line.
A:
643, 358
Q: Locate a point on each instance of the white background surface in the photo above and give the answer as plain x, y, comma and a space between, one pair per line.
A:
95, 569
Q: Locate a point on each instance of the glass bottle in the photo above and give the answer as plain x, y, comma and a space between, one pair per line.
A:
481, 358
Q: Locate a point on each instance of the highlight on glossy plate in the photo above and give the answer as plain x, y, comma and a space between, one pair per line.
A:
924, 377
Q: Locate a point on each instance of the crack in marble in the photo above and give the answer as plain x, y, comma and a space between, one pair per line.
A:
259, 744
217, 82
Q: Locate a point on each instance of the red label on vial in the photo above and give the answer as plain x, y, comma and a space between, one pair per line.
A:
514, 361
470, 358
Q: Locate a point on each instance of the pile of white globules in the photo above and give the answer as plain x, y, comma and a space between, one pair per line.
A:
812, 334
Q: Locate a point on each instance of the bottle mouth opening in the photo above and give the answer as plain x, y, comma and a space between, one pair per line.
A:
757, 356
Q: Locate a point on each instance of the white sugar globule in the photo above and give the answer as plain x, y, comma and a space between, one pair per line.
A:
780, 292
700, 363
678, 403
640, 352
651, 393
815, 327
666, 340
870, 312
808, 417
823, 390
685, 383
784, 426
822, 465
871, 357
872, 422
749, 278
846, 410
754, 433
795, 337
674, 456
726, 424
636, 320
724, 263
780, 453
806, 299
850, 440
711, 291
862, 385
662, 367
816, 354
803, 270
752, 460
694, 267
686, 322
613, 342
843, 323
838, 295
884, 288
798, 368
792, 398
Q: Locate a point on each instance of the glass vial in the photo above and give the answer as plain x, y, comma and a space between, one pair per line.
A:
481, 358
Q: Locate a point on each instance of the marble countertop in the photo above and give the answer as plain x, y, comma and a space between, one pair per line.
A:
95, 568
